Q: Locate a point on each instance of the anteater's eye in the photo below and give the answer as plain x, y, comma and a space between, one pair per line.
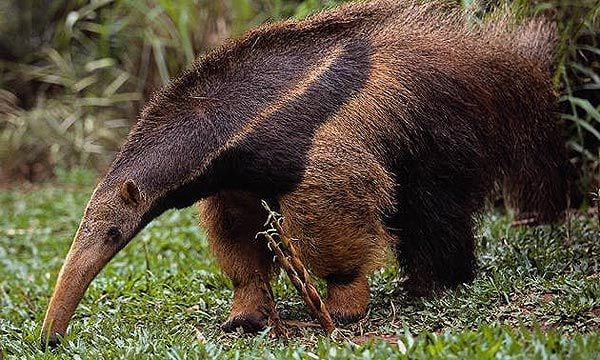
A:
113, 232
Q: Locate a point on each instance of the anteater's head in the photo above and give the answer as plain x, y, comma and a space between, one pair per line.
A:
112, 218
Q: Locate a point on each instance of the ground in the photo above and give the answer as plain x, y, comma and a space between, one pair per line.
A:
537, 293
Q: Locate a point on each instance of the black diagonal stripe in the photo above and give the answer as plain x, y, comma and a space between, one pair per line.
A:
272, 159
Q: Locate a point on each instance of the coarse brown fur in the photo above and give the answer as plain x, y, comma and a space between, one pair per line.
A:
376, 125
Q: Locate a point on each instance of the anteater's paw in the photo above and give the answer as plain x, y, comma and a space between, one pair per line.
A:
528, 219
51, 342
348, 303
419, 287
250, 322
344, 317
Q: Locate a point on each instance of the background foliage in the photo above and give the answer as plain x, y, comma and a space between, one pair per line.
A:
74, 73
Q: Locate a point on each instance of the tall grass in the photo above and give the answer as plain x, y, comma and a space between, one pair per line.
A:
578, 80
75, 75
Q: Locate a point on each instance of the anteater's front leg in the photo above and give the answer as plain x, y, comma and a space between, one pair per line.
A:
336, 215
347, 297
232, 220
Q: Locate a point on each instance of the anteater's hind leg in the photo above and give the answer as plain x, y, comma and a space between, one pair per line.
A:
232, 220
540, 182
434, 225
436, 252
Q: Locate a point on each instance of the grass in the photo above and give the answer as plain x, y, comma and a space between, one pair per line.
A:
537, 294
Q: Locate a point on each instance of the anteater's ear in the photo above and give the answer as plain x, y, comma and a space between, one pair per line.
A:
130, 192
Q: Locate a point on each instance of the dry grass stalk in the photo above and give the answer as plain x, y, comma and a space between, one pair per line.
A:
278, 329
289, 259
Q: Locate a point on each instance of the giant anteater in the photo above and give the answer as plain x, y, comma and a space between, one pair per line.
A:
380, 124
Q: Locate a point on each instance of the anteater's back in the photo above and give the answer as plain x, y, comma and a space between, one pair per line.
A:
423, 72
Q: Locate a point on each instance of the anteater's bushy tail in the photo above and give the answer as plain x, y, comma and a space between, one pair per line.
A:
535, 38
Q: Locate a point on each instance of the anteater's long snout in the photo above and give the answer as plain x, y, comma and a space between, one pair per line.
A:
82, 264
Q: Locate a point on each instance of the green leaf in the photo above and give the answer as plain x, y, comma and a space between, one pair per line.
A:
583, 104
99, 64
